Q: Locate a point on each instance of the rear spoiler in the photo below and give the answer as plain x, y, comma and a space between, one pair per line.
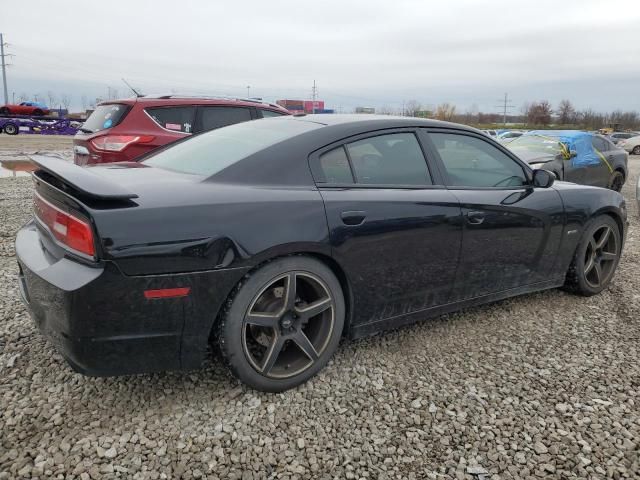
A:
81, 179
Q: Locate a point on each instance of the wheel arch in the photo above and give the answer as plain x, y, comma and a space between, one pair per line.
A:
322, 257
610, 212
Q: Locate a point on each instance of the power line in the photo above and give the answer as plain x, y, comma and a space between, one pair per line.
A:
505, 106
4, 70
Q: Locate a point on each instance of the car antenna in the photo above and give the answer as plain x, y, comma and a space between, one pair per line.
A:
136, 93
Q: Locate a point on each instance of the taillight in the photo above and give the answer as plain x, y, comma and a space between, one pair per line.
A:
117, 143
67, 229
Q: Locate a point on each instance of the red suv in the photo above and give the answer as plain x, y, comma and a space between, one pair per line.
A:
123, 130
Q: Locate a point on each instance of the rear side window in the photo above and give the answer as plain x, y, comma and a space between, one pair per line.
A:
105, 116
270, 113
176, 119
335, 166
393, 159
216, 117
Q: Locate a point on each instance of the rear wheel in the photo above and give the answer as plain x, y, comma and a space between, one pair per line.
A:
616, 181
38, 113
10, 129
4, 111
636, 150
283, 324
596, 257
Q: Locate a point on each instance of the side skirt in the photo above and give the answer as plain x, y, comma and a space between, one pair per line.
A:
366, 329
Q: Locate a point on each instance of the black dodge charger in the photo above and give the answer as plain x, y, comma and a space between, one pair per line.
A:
273, 239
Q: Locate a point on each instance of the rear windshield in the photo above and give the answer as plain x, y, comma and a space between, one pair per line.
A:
211, 152
105, 116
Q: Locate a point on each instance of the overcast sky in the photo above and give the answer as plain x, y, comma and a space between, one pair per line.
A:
369, 53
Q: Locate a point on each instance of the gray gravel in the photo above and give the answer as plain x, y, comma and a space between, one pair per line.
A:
541, 386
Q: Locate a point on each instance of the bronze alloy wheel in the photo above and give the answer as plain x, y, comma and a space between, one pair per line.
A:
288, 325
600, 257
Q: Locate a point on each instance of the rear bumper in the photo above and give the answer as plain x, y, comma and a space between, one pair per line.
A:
96, 317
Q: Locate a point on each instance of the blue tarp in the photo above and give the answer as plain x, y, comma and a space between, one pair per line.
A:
575, 140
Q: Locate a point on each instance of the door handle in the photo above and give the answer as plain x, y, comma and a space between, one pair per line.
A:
475, 218
353, 217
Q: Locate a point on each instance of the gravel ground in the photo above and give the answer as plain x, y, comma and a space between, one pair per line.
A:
541, 386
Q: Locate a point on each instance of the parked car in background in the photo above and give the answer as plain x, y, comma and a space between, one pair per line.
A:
25, 108
615, 137
574, 156
490, 133
273, 239
631, 145
124, 130
508, 136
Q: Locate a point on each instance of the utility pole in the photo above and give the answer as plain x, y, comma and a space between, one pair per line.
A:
4, 70
504, 107
314, 94
248, 88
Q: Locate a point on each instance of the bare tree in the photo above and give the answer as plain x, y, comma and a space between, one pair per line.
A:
51, 96
445, 111
539, 113
411, 108
386, 110
65, 100
566, 113
23, 97
84, 101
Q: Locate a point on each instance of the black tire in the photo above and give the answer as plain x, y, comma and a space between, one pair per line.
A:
38, 113
5, 111
592, 260
262, 318
616, 181
636, 150
10, 129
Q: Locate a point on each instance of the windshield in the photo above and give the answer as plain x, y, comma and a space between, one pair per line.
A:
211, 152
537, 144
105, 116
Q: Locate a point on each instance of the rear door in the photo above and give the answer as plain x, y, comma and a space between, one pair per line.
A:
393, 226
511, 230
212, 117
600, 173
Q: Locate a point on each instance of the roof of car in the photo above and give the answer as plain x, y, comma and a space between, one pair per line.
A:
169, 100
376, 121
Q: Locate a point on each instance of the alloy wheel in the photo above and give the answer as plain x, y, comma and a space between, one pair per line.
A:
600, 256
288, 325
636, 150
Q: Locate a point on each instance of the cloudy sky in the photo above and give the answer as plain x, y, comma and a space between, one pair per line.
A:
361, 52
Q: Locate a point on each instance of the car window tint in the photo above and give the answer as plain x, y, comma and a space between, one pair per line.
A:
216, 117
176, 119
472, 162
599, 144
270, 113
335, 166
105, 116
394, 159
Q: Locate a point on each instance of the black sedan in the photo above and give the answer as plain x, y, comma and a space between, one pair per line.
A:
273, 239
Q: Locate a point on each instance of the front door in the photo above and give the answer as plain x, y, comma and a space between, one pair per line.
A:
511, 230
396, 233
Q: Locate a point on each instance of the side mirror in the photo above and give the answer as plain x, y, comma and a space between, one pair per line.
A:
543, 178
573, 154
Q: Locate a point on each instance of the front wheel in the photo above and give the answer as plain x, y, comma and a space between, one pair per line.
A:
4, 111
596, 257
38, 113
283, 324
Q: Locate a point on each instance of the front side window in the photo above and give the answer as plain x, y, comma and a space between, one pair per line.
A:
217, 117
393, 159
176, 119
599, 144
472, 162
